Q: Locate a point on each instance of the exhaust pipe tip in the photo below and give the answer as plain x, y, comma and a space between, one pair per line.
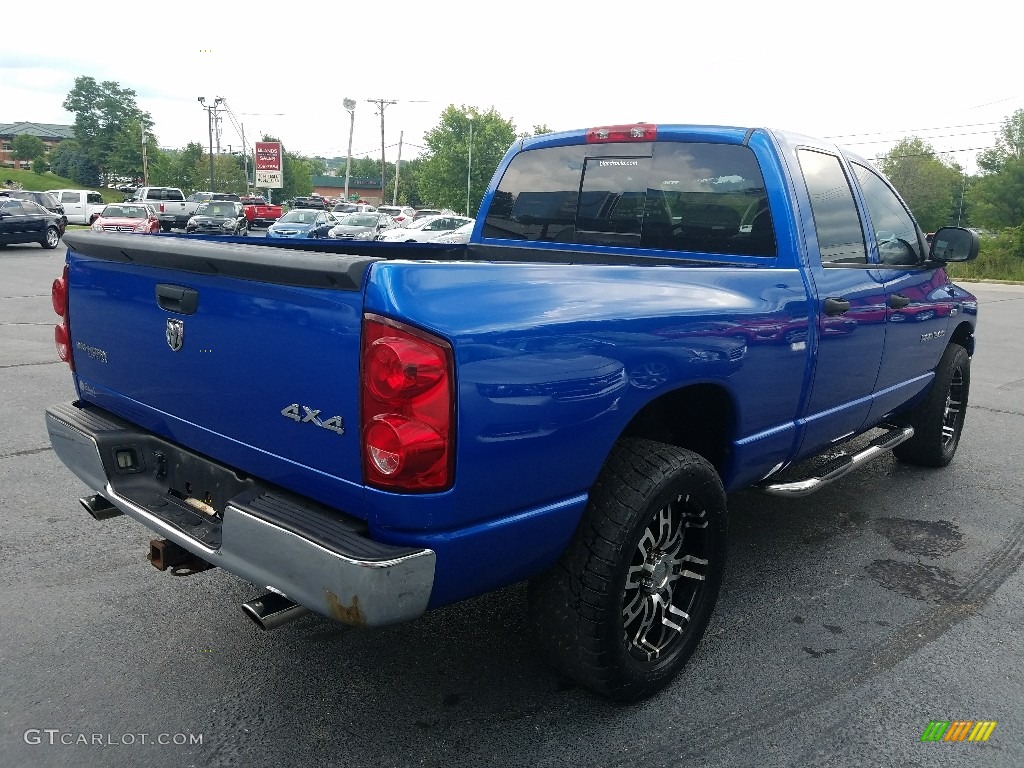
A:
271, 611
99, 507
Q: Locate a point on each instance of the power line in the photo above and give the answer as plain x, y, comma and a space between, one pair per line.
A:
911, 130
931, 154
928, 138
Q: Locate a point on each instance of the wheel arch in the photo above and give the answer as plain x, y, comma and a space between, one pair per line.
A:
699, 418
963, 335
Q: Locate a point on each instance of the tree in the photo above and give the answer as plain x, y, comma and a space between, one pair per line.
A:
64, 157
1009, 145
442, 176
927, 183
28, 147
103, 112
997, 199
125, 156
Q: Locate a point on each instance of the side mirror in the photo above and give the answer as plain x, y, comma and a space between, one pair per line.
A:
952, 244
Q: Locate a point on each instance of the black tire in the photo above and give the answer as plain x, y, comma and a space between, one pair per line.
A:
627, 604
165, 227
938, 420
243, 230
50, 238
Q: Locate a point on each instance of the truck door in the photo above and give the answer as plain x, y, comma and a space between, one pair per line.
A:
920, 302
848, 331
74, 207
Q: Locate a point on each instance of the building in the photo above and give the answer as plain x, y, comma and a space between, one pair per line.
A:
51, 134
365, 189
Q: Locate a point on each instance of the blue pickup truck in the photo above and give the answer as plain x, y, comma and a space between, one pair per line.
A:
645, 319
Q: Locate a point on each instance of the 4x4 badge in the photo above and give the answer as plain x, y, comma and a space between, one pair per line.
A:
175, 333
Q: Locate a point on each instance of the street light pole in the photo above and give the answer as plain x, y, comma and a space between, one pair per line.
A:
350, 105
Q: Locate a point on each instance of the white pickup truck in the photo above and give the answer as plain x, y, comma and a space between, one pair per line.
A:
81, 206
168, 202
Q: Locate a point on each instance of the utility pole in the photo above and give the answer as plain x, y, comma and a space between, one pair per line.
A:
209, 124
381, 104
398, 167
145, 164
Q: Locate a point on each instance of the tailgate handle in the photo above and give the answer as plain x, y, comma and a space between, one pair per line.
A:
177, 298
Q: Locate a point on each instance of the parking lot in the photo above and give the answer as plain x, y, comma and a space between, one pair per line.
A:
848, 621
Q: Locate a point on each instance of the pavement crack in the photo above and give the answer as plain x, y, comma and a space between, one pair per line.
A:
26, 452
25, 365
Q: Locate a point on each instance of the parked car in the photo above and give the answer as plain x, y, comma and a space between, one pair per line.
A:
421, 230
309, 202
81, 206
168, 202
401, 214
24, 221
218, 217
460, 235
362, 226
45, 199
127, 217
343, 208
259, 212
193, 201
422, 213
302, 222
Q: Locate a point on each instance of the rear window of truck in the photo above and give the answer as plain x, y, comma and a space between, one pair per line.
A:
699, 197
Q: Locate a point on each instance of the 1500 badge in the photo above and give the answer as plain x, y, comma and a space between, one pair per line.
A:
312, 416
932, 335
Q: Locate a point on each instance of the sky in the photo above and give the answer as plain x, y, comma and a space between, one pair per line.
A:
863, 74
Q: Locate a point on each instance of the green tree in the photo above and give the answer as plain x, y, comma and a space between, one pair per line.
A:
104, 111
28, 147
1009, 145
125, 156
997, 196
997, 199
64, 157
442, 177
927, 183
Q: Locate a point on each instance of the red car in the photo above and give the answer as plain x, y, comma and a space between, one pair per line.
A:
128, 217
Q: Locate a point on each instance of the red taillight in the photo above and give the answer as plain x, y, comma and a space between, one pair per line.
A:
407, 407
620, 133
62, 332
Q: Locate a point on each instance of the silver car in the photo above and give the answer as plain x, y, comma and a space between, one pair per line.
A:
361, 226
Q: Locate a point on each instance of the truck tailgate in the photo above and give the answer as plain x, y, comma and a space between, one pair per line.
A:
246, 353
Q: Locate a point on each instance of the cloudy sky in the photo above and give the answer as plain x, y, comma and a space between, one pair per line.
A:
865, 74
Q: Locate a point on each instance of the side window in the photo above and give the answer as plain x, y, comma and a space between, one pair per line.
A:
840, 237
95, 198
71, 197
895, 231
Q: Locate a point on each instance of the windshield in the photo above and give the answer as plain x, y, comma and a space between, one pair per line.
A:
214, 209
346, 208
125, 212
359, 220
299, 217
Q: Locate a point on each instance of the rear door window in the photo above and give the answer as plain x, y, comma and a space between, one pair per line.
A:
840, 236
70, 197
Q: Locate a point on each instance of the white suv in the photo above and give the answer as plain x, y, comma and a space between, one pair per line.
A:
401, 214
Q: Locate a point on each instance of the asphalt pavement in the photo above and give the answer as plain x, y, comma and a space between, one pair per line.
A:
848, 621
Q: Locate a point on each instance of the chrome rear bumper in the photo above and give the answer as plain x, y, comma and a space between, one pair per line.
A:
316, 557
